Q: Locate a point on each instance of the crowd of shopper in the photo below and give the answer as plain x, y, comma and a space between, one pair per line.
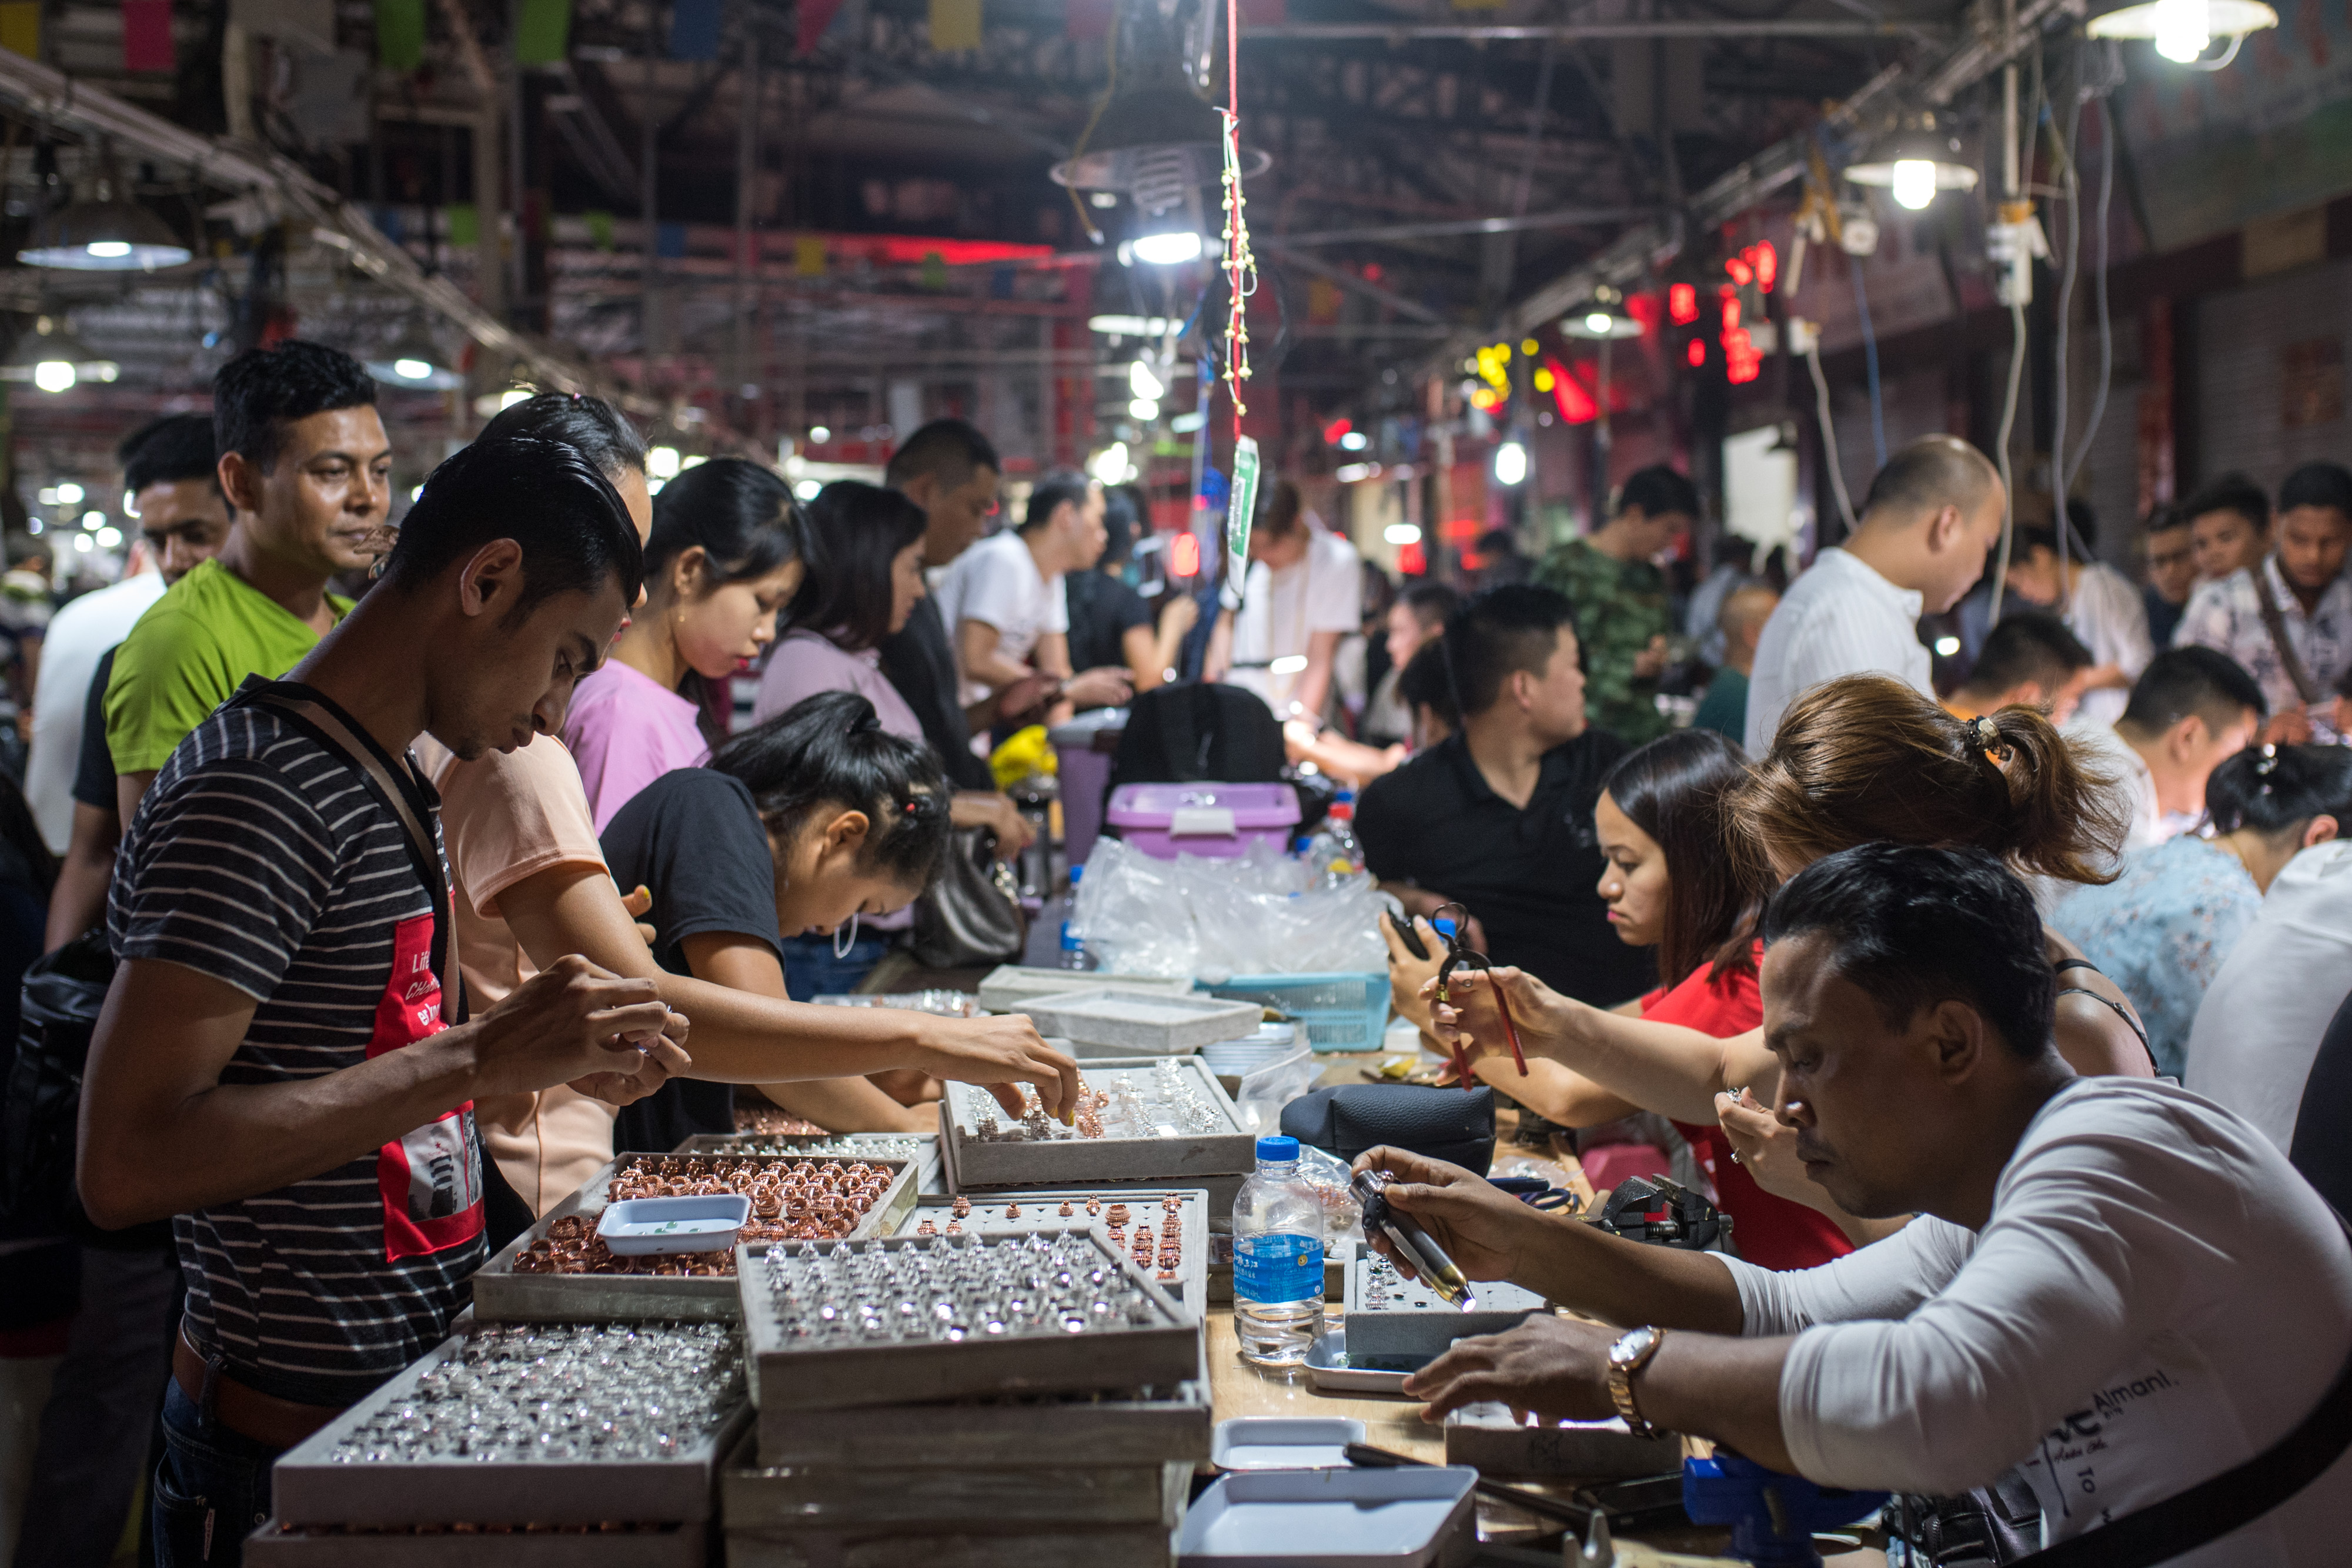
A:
412, 910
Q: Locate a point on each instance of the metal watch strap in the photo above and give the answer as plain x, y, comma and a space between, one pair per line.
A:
1620, 1385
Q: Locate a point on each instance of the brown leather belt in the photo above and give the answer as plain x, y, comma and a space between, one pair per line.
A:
249, 1413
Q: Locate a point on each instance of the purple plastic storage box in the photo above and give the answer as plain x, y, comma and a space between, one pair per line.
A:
1222, 821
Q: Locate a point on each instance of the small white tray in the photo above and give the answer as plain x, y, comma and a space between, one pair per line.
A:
1152, 1023
1010, 986
1416, 1517
1283, 1443
1328, 1370
656, 1227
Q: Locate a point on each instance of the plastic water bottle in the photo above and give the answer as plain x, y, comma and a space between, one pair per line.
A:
1074, 947
1277, 1259
1333, 854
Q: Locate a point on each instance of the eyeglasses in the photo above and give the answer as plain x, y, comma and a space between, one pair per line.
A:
1460, 954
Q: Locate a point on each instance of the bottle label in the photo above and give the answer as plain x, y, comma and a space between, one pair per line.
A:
1278, 1266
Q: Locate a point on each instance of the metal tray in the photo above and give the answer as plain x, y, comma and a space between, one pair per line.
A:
311, 1488
1492, 1441
684, 1545
923, 1148
987, 1219
1328, 1370
1094, 1163
1283, 1443
1117, 1023
500, 1294
1129, 1546
1015, 1491
1149, 1427
1008, 987
1423, 1517
1167, 1351
1222, 1190
1415, 1324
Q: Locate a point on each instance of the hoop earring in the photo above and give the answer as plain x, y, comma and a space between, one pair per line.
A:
841, 949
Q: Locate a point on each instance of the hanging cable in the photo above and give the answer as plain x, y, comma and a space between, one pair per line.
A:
1869, 362
2060, 476
2099, 276
1829, 438
2008, 477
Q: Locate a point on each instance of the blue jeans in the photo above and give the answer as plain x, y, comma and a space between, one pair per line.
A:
212, 1489
812, 970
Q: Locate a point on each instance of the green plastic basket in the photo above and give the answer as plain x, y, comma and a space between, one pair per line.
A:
1338, 1012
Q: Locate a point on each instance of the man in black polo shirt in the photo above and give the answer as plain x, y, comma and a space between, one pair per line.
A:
949, 470
1499, 816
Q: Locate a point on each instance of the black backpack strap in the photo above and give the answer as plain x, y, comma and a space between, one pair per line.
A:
2231, 1500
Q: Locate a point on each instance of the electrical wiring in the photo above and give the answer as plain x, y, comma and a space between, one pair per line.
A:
2008, 475
1829, 438
1869, 360
2099, 275
2061, 349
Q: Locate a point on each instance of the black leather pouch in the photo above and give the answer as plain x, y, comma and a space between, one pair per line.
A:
1440, 1123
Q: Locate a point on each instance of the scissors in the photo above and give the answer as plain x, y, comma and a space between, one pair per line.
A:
1460, 954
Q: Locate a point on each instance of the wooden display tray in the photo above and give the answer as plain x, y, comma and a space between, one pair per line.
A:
1013, 1492
987, 1219
854, 1377
311, 1488
1129, 1547
1222, 1190
1490, 1439
1150, 1428
1417, 1325
502, 1295
1109, 1022
684, 1545
1096, 1163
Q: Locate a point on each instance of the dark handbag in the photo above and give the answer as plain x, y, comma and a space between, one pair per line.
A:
972, 915
40, 1101
1987, 1528
1437, 1123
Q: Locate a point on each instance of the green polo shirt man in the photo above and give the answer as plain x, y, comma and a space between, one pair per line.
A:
306, 467
1622, 616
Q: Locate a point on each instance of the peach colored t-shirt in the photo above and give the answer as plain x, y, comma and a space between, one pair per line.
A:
506, 817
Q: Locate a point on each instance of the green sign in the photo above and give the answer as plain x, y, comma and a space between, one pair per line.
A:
1241, 506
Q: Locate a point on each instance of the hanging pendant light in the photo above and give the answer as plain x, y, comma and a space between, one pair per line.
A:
2182, 30
54, 359
1601, 319
1913, 161
103, 229
415, 362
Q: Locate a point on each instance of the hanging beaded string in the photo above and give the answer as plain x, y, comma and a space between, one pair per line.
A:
1241, 265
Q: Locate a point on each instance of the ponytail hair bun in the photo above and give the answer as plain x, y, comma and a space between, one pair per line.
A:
2276, 789
1865, 758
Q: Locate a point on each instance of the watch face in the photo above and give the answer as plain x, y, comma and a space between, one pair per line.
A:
1630, 1348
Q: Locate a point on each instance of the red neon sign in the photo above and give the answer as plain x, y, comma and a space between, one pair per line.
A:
1682, 304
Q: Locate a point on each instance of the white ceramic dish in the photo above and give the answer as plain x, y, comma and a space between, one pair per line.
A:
1327, 1369
1283, 1443
645, 1226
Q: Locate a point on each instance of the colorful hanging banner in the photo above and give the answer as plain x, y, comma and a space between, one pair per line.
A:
810, 20
1241, 504
808, 254
955, 24
399, 34
600, 228
694, 28
462, 223
20, 28
543, 32
147, 36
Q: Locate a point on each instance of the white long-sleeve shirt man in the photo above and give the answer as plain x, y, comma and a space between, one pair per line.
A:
2103, 1332
1839, 618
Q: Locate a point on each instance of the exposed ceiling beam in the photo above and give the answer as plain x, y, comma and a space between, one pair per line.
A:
1570, 218
1704, 30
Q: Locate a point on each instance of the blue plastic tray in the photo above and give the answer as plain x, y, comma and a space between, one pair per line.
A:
1335, 1012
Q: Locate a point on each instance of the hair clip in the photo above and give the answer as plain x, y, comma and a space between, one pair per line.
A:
1986, 734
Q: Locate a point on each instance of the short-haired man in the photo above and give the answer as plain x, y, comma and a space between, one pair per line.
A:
306, 470
1932, 515
2112, 1286
2094, 600
2190, 710
1002, 602
179, 518
1304, 592
272, 1066
2170, 549
1498, 815
1739, 626
1414, 620
948, 469
2287, 618
2229, 525
2029, 660
1613, 580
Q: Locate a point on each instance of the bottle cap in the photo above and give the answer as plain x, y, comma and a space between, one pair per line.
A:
1342, 811
1078, 872
1280, 1150
1443, 925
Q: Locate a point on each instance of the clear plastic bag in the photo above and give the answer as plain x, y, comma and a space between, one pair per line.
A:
1257, 913
1328, 1174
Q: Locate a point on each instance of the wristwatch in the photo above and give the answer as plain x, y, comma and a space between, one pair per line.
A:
1629, 1356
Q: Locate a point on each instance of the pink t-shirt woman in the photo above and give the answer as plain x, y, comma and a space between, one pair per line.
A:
626, 729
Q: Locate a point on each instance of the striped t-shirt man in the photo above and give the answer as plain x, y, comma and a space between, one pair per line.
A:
263, 858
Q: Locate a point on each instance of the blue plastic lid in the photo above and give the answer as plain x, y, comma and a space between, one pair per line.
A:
1077, 871
1443, 925
1279, 1150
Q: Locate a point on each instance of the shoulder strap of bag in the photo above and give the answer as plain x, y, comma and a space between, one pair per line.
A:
2212, 1509
326, 726
2274, 622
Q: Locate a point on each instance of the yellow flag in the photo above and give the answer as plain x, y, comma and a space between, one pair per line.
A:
20, 28
955, 24
808, 254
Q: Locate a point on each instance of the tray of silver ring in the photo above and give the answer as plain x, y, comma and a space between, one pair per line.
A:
1153, 1119
919, 1319
1140, 1220
556, 1271
542, 1425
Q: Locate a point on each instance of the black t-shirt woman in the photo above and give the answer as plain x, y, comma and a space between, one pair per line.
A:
800, 824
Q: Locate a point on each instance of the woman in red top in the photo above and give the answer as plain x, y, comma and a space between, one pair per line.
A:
1673, 884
